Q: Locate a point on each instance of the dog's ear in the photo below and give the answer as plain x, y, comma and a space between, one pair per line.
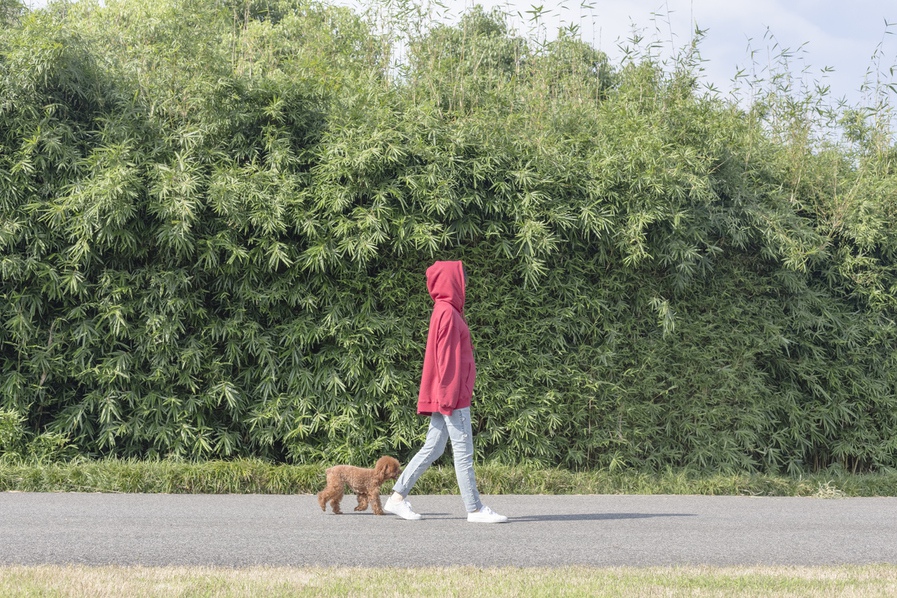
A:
382, 467
395, 468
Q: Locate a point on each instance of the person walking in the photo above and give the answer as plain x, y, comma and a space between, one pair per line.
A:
446, 390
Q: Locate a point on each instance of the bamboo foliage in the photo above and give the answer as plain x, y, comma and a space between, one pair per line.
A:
215, 219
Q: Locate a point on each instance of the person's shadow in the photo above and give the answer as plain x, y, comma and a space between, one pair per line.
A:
595, 516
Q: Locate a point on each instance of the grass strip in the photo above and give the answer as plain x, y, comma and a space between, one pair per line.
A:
259, 477
700, 581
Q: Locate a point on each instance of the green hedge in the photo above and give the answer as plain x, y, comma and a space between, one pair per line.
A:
215, 219
251, 476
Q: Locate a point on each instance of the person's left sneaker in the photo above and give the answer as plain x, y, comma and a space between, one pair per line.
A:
486, 515
402, 508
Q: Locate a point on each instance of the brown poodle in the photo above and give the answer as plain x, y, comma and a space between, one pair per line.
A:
365, 483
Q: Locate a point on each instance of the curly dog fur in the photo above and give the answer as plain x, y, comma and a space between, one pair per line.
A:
365, 483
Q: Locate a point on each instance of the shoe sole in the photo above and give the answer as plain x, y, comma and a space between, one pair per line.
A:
481, 521
418, 518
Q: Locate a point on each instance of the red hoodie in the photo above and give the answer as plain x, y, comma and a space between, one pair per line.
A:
449, 370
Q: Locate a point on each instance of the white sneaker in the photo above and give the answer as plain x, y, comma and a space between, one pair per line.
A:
486, 515
402, 509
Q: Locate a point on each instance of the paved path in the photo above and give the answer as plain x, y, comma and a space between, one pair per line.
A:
242, 530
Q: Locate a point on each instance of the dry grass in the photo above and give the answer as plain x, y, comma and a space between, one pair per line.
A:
845, 581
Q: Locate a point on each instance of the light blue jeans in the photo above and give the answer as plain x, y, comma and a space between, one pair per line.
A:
454, 427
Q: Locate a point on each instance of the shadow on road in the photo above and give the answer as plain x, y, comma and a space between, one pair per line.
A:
597, 516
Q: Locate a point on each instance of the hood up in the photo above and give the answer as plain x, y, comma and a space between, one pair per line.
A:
445, 282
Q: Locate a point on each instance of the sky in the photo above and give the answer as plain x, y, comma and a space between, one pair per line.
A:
843, 35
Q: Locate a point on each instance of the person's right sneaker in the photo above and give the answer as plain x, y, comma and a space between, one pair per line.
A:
486, 515
400, 508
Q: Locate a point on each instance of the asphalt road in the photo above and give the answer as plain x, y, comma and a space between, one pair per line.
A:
243, 530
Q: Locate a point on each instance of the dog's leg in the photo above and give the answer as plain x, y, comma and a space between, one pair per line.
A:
375, 502
362, 501
334, 502
322, 499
